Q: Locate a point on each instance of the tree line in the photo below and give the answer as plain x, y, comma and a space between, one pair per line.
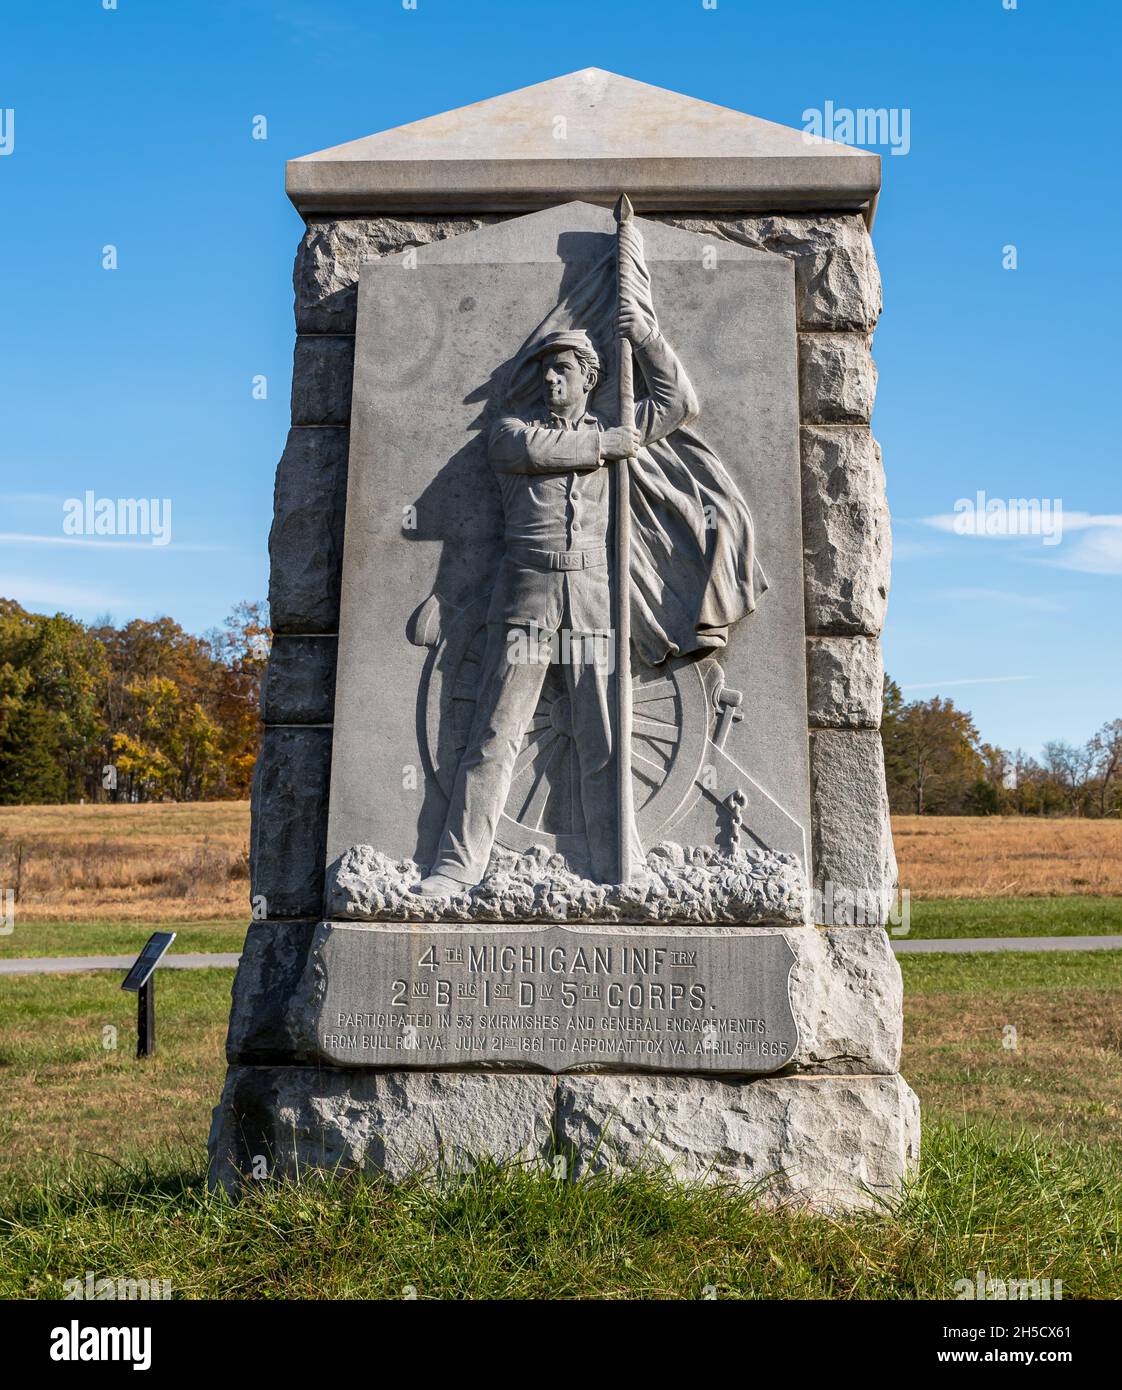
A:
937, 764
143, 712
149, 712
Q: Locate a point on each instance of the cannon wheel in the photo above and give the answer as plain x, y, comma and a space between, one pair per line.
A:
671, 706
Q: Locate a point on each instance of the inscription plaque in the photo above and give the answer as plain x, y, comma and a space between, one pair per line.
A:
555, 999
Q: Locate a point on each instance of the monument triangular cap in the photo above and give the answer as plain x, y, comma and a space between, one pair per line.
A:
587, 135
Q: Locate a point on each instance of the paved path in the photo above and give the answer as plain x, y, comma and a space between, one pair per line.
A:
956, 945
903, 946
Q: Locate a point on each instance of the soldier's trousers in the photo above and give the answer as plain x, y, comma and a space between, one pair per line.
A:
508, 697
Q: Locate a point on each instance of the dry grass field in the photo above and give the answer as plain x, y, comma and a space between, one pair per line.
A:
1008, 856
167, 862
189, 862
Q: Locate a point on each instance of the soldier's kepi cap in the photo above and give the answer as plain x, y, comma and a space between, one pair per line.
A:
576, 339
524, 381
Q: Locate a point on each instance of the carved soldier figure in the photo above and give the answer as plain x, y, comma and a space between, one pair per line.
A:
686, 586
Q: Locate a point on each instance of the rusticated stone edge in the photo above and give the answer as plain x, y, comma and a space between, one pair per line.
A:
299, 685
332, 251
306, 538
845, 682
837, 379
265, 985
824, 1143
322, 378
837, 282
279, 1122
854, 861
288, 832
847, 548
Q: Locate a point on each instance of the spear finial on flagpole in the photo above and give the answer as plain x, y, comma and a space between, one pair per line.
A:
622, 497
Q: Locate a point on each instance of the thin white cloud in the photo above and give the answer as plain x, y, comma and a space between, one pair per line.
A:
1098, 551
965, 680
96, 543
1014, 523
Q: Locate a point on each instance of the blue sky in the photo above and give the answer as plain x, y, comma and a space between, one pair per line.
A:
133, 128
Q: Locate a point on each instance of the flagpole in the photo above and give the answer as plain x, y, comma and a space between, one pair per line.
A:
624, 789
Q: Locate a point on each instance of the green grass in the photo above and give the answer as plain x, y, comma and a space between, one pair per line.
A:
1019, 1208
1029, 972
71, 1079
101, 1159
108, 938
957, 917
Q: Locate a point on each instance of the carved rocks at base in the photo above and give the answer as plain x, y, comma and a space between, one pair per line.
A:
745, 887
847, 545
829, 1143
845, 682
286, 1120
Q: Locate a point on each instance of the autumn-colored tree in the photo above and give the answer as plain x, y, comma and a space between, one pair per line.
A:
1106, 749
932, 758
49, 716
240, 653
142, 712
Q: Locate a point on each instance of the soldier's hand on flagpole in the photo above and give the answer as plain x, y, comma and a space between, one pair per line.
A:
620, 442
633, 323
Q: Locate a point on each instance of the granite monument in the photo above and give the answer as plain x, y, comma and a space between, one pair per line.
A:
570, 833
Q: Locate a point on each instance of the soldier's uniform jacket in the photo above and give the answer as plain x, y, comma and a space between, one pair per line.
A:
556, 494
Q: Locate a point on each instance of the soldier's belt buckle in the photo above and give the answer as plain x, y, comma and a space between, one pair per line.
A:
579, 559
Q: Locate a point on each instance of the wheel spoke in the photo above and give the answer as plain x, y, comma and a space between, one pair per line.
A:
664, 689
535, 744
534, 807
649, 771
662, 731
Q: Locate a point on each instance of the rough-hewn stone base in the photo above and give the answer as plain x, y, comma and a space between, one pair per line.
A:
833, 1143
828, 1142
276, 1122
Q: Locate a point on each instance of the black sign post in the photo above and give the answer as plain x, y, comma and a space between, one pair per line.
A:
141, 981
